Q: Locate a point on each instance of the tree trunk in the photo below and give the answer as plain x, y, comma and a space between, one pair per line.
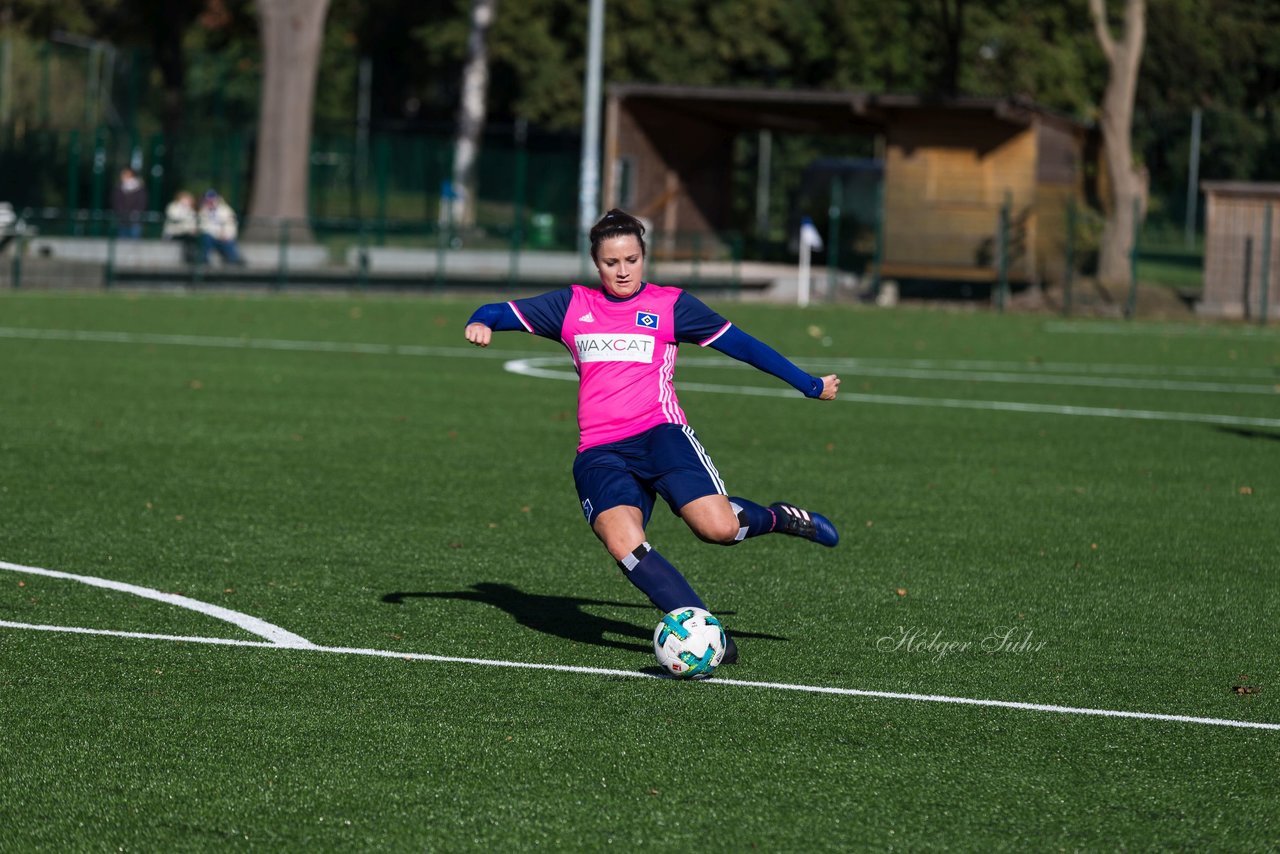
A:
292, 33
1125, 184
471, 112
951, 26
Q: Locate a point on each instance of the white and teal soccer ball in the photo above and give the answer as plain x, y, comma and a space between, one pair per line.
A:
689, 643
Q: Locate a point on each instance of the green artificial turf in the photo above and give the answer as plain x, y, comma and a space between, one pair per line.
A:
351, 471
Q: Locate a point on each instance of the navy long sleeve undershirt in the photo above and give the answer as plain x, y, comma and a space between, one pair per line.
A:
743, 347
733, 342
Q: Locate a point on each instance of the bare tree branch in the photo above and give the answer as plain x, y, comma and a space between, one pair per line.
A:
1098, 12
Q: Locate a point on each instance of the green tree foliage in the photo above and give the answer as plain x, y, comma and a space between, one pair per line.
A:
538, 48
1045, 52
1221, 56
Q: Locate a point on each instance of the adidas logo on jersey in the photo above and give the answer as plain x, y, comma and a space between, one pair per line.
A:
586, 318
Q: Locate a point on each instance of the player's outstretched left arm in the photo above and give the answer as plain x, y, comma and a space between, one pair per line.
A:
743, 347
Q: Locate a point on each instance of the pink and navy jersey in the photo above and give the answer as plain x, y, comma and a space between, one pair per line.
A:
624, 352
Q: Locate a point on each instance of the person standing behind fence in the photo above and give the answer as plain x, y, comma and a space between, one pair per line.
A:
181, 224
129, 203
218, 230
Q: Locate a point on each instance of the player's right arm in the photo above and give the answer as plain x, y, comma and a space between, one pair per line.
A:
541, 315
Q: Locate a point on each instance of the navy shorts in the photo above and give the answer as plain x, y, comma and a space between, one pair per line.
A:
667, 460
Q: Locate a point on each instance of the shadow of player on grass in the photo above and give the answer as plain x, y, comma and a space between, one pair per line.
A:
1249, 434
562, 616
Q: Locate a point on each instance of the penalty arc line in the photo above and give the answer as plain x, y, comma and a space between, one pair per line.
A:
739, 683
273, 633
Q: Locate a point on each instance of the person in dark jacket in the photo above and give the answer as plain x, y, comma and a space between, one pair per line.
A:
129, 203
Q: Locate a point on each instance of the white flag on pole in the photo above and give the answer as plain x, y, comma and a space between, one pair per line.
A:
810, 240
809, 236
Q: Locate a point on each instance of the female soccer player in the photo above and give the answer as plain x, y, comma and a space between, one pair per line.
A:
634, 442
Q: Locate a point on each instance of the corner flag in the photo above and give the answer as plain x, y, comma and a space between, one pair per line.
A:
810, 240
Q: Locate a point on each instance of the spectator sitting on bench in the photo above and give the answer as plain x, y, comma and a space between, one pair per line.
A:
180, 224
218, 230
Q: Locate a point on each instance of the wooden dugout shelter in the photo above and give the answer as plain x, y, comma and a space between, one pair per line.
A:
1241, 250
950, 166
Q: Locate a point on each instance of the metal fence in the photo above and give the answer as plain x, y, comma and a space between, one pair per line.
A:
382, 177
87, 249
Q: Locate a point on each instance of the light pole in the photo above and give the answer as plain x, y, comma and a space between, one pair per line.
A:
589, 176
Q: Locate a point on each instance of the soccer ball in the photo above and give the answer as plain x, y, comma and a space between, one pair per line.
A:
689, 643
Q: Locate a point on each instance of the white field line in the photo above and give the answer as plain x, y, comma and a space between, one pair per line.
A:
1019, 377
530, 367
1034, 368
115, 633
273, 633
281, 639
535, 368
967, 370
1170, 329
738, 683
228, 343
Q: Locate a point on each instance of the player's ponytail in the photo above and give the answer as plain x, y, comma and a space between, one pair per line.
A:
616, 223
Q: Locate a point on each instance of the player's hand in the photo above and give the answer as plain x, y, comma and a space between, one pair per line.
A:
830, 385
479, 334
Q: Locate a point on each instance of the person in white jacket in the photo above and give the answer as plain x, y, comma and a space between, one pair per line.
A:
218, 230
182, 225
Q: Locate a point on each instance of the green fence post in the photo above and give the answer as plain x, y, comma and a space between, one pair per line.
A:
155, 176
1069, 271
737, 247
1131, 305
444, 229
239, 168
517, 226
382, 157
46, 61
833, 235
877, 252
1002, 255
99, 185
364, 257
1266, 266
1248, 274
109, 273
695, 250
282, 267
73, 176
444, 215
19, 248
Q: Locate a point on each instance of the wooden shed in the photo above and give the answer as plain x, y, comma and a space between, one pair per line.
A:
949, 167
1239, 261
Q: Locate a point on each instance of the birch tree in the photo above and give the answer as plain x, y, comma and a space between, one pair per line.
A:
1126, 186
471, 112
292, 35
